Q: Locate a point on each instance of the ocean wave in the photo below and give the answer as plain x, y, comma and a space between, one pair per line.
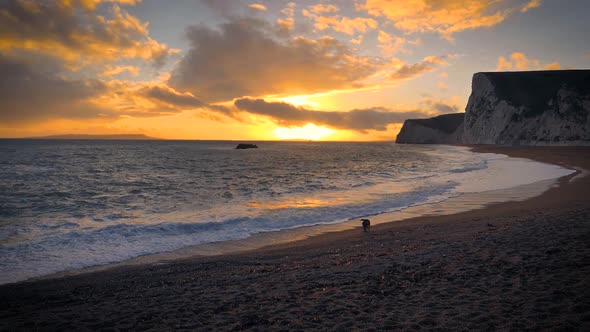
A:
69, 249
470, 168
148, 200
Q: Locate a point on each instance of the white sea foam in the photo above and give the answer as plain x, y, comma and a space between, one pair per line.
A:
67, 230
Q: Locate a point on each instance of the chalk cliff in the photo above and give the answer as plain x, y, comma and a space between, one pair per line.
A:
540, 107
443, 129
512, 108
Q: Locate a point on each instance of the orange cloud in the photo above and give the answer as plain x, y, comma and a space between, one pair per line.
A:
243, 61
519, 61
91, 4
71, 31
530, 5
149, 99
35, 91
287, 23
384, 37
116, 70
257, 6
390, 44
503, 63
443, 16
319, 8
552, 66
341, 23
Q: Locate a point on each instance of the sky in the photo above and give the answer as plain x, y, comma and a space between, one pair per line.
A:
268, 69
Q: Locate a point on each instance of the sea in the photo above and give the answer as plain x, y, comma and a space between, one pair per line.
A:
71, 204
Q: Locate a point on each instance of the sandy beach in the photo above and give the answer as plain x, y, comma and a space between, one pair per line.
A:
516, 265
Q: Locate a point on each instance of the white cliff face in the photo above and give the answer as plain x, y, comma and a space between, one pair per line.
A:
529, 108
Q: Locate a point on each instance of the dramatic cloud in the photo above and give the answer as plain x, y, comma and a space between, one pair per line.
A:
49, 49
519, 61
357, 41
171, 101
72, 31
443, 16
29, 93
170, 96
35, 91
243, 59
359, 120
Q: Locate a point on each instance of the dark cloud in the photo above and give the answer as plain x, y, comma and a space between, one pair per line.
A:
33, 90
439, 106
245, 58
180, 101
170, 96
29, 92
358, 119
445, 108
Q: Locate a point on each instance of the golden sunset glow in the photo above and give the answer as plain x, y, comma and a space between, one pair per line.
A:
300, 101
264, 70
307, 132
304, 202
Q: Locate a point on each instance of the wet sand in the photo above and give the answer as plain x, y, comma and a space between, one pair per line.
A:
515, 265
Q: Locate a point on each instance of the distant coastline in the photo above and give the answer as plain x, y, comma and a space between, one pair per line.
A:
98, 137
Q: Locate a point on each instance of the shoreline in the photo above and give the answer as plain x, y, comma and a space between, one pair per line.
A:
347, 270
267, 240
297, 236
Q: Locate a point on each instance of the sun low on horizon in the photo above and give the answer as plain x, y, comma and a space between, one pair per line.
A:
266, 69
308, 132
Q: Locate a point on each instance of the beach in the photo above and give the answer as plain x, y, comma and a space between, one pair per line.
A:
513, 265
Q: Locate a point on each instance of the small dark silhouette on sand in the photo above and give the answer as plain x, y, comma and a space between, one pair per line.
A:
366, 225
247, 146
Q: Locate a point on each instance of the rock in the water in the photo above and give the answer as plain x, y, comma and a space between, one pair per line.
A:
536, 107
246, 146
443, 129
